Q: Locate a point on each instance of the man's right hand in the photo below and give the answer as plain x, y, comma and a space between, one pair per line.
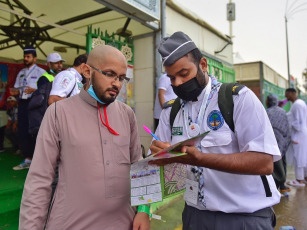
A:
157, 146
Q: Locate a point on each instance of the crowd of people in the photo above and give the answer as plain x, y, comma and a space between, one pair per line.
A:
89, 141
29, 99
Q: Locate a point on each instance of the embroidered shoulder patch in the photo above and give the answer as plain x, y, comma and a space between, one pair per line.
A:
65, 82
168, 104
215, 120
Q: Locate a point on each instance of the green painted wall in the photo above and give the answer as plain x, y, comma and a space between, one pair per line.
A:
222, 72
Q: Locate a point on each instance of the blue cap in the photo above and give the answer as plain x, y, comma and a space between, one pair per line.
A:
29, 50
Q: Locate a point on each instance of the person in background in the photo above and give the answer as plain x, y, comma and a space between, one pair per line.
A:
280, 125
298, 126
24, 86
3, 116
69, 82
94, 137
229, 183
165, 94
55, 65
11, 127
3, 121
39, 101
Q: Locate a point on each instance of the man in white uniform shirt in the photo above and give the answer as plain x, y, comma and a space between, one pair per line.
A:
229, 171
165, 94
298, 126
68, 82
24, 86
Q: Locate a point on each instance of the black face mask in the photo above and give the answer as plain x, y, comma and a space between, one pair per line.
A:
189, 90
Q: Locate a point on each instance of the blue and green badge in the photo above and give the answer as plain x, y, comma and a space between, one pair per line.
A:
215, 120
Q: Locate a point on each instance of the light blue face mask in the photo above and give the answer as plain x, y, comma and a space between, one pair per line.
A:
92, 93
51, 71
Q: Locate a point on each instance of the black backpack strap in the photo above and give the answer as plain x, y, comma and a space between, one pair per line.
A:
72, 89
175, 109
225, 103
266, 186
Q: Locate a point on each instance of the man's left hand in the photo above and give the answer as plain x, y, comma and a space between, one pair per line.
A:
141, 221
191, 158
29, 90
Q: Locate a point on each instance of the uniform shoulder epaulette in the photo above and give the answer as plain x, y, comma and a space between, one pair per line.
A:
168, 104
236, 88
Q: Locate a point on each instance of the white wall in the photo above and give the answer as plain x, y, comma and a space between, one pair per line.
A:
204, 39
247, 71
143, 86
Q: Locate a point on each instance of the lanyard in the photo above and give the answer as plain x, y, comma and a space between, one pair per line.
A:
202, 110
106, 124
28, 74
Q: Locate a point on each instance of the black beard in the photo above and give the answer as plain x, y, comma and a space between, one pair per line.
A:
192, 88
103, 98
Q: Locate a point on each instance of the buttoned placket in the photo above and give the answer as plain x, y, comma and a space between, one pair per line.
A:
106, 140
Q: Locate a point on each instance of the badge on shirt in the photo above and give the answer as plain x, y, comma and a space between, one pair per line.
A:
177, 131
191, 191
193, 130
215, 120
65, 82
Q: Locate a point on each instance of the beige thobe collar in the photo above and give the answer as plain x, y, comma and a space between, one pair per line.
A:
85, 96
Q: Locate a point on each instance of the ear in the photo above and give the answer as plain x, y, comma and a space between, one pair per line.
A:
86, 70
203, 64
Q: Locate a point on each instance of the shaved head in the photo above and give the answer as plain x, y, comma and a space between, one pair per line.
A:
103, 53
104, 65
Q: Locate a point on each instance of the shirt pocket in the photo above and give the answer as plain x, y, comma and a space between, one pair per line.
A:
121, 149
216, 139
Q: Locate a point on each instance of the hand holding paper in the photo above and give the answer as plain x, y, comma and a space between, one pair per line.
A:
174, 154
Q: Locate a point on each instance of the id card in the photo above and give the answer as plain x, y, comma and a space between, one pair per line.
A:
24, 95
191, 191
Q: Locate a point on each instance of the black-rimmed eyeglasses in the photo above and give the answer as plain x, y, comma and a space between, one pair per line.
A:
113, 76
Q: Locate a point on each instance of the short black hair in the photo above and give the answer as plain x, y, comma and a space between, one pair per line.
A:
195, 56
292, 90
80, 59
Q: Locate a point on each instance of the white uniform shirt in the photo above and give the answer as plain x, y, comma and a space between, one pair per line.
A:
165, 84
223, 191
65, 82
28, 77
298, 126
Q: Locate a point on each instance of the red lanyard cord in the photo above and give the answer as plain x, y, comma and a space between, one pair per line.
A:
107, 122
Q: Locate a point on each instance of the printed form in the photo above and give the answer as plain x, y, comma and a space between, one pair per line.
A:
145, 183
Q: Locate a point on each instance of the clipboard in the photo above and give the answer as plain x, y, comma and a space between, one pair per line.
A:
174, 150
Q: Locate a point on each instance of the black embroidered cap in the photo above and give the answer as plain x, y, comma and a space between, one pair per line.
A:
29, 50
175, 47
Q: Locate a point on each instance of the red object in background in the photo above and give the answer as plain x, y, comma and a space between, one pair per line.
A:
13, 70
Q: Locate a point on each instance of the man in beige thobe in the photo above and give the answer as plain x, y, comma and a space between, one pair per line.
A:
95, 139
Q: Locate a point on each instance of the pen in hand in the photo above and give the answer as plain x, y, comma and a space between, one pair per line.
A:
151, 133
